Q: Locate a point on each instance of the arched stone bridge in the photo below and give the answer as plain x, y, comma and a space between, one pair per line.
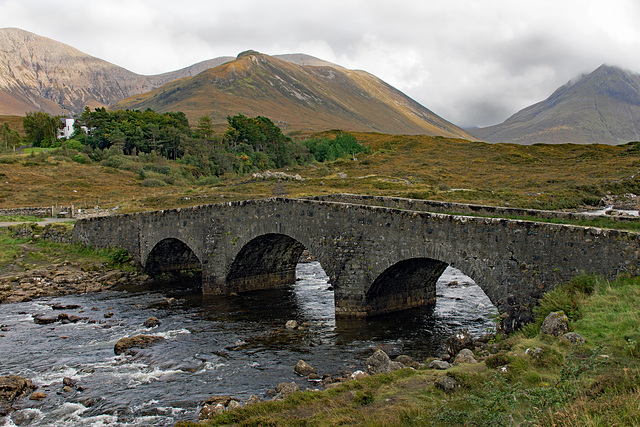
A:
379, 259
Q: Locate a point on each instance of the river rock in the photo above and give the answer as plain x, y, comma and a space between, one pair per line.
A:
233, 404
252, 400
214, 405
124, 345
439, 364
45, 320
13, 387
23, 417
458, 341
59, 306
214, 400
380, 362
574, 338
37, 395
291, 324
556, 324
285, 389
210, 410
72, 384
314, 378
464, 356
302, 368
405, 360
446, 383
151, 322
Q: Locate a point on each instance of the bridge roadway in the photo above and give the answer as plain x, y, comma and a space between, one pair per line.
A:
379, 259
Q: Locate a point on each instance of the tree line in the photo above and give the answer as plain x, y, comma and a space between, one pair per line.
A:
249, 143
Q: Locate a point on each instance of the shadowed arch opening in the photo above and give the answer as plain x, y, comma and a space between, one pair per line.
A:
172, 256
268, 261
407, 284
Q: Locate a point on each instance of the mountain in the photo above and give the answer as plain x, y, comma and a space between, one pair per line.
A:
307, 94
300, 91
37, 73
601, 107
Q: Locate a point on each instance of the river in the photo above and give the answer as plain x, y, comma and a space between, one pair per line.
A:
225, 345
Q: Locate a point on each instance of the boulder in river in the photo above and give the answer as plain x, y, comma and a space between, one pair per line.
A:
13, 387
304, 369
124, 345
380, 362
151, 322
45, 320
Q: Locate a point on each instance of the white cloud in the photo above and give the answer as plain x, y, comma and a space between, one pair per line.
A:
474, 63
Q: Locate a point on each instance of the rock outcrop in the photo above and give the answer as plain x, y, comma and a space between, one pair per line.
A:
128, 344
13, 387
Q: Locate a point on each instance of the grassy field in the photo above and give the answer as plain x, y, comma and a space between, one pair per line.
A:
595, 384
538, 176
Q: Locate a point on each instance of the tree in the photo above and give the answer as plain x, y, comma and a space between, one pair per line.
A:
41, 128
204, 130
9, 137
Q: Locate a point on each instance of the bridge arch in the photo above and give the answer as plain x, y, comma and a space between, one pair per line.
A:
171, 255
266, 261
406, 284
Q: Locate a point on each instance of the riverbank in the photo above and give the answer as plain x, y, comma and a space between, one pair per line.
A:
536, 378
37, 261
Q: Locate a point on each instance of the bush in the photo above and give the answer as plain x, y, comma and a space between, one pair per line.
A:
153, 182
81, 158
73, 144
208, 180
119, 256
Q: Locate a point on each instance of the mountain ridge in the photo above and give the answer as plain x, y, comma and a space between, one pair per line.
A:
300, 96
599, 107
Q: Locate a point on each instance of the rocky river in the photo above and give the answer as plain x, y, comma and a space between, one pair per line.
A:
236, 345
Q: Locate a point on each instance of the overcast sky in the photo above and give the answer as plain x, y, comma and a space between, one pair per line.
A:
473, 62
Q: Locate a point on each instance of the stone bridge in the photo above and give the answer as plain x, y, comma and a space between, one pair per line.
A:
379, 259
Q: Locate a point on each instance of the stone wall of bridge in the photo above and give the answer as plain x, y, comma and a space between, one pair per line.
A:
379, 259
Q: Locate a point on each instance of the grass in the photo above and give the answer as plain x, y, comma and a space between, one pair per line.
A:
19, 218
46, 253
565, 385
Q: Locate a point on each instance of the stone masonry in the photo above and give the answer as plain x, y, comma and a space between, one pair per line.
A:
379, 259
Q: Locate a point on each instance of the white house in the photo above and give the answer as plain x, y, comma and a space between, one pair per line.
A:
67, 130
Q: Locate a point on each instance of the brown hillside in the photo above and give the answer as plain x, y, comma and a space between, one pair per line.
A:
297, 97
